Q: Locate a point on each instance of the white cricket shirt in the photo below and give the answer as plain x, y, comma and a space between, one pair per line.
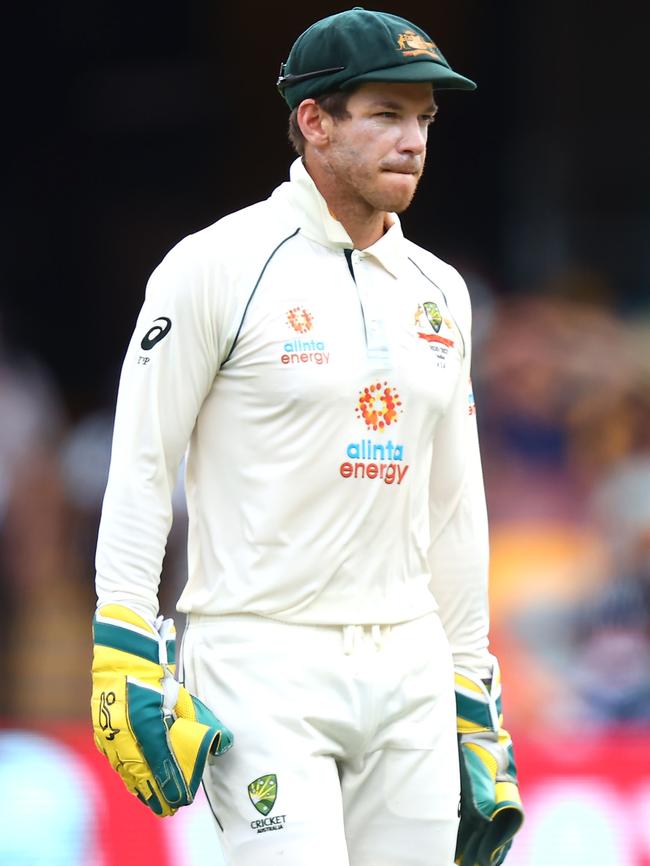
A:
333, 473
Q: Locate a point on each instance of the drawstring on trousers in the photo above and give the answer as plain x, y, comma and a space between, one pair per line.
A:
354, 635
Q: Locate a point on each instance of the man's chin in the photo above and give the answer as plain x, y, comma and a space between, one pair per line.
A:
395, 203
398, 192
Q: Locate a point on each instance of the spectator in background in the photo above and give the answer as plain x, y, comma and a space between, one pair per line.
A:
543, 358
52, 480
85, 459
566, 391
612, 629
34, 771
41, 635
597, 640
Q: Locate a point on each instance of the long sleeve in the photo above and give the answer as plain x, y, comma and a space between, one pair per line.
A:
169, 367
459, 552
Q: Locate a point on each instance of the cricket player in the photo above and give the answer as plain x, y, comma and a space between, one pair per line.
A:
335, 692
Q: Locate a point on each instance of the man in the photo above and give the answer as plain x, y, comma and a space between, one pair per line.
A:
318, 364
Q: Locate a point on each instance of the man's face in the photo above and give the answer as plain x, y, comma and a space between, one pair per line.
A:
376, 156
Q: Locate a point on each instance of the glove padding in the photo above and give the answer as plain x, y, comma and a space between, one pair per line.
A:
155, 734
490, 806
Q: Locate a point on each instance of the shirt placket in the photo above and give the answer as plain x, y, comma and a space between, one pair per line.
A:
370, 296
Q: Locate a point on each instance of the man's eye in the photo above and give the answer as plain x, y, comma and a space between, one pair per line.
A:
387, 114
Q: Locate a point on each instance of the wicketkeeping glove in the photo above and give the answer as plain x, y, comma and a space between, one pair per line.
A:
155, 734
490, 805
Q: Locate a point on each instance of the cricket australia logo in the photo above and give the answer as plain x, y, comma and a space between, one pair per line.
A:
263, 792
433, 315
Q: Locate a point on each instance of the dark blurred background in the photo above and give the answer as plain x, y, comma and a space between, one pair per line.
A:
130, 125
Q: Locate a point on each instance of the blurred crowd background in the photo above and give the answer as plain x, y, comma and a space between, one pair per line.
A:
135, 125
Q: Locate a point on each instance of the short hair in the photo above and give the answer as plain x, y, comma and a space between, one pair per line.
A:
334, 103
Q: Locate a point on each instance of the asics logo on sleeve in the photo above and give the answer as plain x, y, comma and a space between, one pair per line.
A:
156, 333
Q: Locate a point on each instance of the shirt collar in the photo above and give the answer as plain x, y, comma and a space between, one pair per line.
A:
319, 225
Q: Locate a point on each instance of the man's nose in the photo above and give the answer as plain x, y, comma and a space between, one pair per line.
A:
414, 137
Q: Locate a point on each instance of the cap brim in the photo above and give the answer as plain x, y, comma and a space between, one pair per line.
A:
440, 76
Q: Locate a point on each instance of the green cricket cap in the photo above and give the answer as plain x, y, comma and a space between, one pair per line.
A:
358, 45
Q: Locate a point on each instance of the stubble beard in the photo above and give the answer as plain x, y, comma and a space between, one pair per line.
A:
364, 187
398, 202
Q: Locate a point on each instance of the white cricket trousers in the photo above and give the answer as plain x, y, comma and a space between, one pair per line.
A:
345, 748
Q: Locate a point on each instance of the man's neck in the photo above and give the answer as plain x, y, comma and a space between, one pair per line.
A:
365, 226
363, 223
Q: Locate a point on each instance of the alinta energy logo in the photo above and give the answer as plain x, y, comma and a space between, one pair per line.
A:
379, 406
470, 399
301, 351
263, 793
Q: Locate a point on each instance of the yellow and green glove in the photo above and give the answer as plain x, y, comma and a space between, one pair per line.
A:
155, 734
490, 805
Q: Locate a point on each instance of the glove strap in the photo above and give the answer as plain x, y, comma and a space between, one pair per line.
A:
478, 702
119, 628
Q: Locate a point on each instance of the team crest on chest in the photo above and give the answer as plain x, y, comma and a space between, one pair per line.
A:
429, 325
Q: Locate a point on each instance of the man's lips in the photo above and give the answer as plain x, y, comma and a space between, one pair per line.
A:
413, 170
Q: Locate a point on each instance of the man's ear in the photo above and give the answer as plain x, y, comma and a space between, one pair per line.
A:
315, 124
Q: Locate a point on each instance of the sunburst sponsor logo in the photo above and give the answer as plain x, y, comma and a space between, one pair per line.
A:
300, 319
379, 405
